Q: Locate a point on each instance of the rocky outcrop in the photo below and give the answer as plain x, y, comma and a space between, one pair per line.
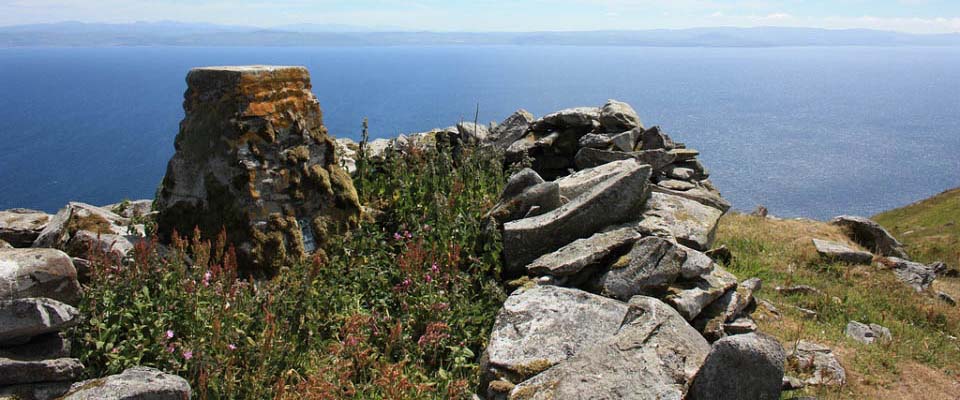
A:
838, 252
20, 227
81, 229
747, 366
871, 236
38, 273
133, 383
253, 157
691, 223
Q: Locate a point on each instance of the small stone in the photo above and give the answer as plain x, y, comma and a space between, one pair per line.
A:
510, 130
674, 184
798, 289
651, 265
867, 334
917, 275
625, 141
653, 139
820, 362
595, 141
946, 298
684, 154
834, 251
690, 298
20, 227
807, 313
740, 326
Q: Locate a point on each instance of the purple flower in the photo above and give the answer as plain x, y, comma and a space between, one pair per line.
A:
435, 268
206, 278
407, 234
169, 334
397, 236
187, 355
231, 346
428, 278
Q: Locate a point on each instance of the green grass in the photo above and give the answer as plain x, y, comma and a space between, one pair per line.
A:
781, 253
930, 229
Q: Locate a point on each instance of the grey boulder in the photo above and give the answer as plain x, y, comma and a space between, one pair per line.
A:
747, 366
38, 273
653, 356
544, 325
22, 319
651, 265
510, 130
870, 235
617, 116
589, 157
614, 200
691, 223
833, 251
713, 319
137, 383
20, 226
689, 298
579, 117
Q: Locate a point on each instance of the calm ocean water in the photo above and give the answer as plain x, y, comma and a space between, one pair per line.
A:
809, 132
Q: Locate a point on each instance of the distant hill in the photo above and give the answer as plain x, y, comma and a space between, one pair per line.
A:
171, 33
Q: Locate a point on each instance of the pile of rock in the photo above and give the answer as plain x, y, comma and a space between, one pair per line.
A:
621, 300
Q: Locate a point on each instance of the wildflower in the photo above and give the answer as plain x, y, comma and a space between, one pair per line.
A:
428, 278
206, 278
170, 348
115, 350
397, 236
187, 354
427, 227
407, 234
434, 268
169, 334
231, 346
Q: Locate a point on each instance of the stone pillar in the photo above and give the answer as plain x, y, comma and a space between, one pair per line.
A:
254, 158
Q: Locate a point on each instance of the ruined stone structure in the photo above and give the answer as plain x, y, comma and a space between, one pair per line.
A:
254, 158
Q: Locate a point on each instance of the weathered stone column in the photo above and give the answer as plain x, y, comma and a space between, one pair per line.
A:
254, 158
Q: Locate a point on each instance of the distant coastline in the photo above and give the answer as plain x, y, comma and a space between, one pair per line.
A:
76, 34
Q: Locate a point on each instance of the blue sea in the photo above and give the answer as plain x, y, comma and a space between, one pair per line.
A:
811, 132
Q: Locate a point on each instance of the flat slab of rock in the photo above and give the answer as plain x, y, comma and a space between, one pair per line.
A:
510, 130
16, 372
589, 157
917, 275
691, 297
574, 257
579, 117
615, 200
134, 383
870, 235
544, 325
838, 252
20, 226
35, 391
43, 347
697, 192
653, 356
696, 264
651, 265
712, 320
749, 366
580, 182
867, 334
820, 362
131, 208
22, 319
691, 223
38, 273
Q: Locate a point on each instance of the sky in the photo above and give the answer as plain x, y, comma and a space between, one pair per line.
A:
915, 16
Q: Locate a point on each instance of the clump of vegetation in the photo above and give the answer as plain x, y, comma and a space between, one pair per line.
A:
399, 308
924, 352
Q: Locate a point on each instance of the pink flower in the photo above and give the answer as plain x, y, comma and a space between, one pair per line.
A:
407, 234
187, 355
206, 278
397, 236
426, 227
115, 350
169, 334
428, 278
435, 268
231, 346
170, 348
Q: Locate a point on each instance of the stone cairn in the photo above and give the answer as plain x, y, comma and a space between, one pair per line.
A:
609, 228
254, 159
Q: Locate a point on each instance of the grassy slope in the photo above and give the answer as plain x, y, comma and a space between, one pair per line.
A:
930, 228
922, 361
